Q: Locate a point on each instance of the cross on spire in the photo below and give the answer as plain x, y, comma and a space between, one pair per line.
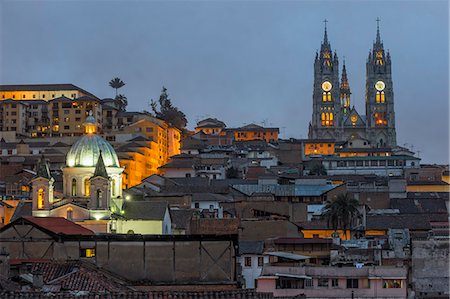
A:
325, 38
378, 41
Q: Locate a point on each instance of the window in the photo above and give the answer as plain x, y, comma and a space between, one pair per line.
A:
77, 111
248, 261
197, 205
69, 214
334, 283
315, 236
392, 284
99, 198
188, 175
43, 96
113, 187
13, 113
309, 283
74, 187
260, 261
87, 252
66, 127
352, 283
322, 282
149, 130
87, 187
290, 283
40, 201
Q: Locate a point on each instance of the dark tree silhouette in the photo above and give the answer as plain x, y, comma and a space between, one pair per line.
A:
167, 111
340, 212
116, 83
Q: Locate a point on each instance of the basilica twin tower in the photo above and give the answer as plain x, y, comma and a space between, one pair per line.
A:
333, 116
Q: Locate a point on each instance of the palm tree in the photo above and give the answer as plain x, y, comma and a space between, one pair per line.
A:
340, 212
116, 83
123, 102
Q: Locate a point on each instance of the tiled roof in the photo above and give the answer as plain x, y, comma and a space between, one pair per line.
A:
58, 225
411, 206
24, 208
181, 217
251, 247
145, 210
410, 221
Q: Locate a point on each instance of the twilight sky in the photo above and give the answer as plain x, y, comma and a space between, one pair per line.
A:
240, 62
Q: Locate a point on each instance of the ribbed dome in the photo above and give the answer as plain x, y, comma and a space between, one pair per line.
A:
86, 150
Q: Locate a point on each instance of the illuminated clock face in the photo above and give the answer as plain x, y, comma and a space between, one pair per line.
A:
380, 85
326, 86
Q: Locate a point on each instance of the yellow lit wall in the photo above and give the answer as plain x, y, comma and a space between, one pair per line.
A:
320, 148
150, 227
375, 232
427, 188
40, 95
446, 178
210, 130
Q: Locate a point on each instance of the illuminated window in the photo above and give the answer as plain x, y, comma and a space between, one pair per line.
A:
392, 284
379, 56
378, 97
382, 97
69, 214
87, 252
40, 201
324, 96
74, 187
87, 187
329, 96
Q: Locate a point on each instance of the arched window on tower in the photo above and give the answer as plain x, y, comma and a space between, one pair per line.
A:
331, 119
382, 97
74, 187
324, 96
99, 198
87, 187
378, 97
40, 199
323, 118
329, 96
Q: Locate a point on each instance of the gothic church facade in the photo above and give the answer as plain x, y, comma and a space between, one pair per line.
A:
333, 116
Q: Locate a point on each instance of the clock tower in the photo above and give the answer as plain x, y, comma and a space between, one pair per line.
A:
380, 97
326, 116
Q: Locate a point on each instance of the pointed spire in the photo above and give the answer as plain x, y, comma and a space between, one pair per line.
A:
325, 37
100, 169
344, 78
42, 169
378, 41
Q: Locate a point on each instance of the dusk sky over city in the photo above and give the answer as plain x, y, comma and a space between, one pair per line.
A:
241, 61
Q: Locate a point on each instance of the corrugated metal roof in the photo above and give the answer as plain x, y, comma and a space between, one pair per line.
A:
288, 255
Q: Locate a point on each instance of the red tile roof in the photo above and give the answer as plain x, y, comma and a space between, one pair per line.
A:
59, 225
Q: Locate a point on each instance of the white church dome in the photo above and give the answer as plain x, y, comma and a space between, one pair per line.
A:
85, 152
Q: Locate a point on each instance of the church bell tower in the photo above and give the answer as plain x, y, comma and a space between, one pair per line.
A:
380, 96
326, 116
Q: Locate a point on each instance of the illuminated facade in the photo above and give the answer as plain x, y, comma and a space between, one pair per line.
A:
46, 109
333, 116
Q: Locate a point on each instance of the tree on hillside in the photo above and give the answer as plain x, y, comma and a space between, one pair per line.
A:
116, 83
340, 212
167, 111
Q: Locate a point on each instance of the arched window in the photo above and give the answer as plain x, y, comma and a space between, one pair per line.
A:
99, 198
87, 187
378, 97
323, 118
329, 96
113, 187
40, 199
69, 214
74, 187
324, 96
382, 97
